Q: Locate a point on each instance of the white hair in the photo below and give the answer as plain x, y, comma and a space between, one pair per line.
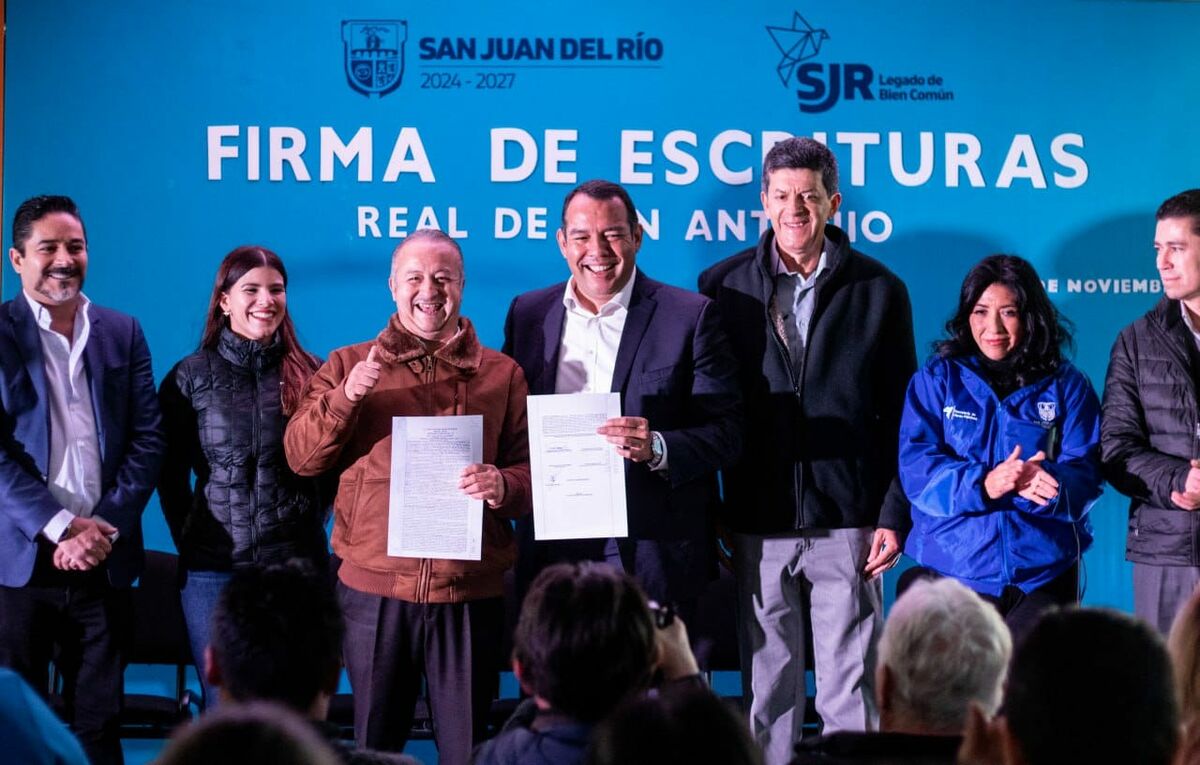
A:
944, 647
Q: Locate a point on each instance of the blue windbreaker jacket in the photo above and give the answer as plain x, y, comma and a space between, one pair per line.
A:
954, 430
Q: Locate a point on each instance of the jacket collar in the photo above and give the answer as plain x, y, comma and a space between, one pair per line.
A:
249, 354
396, 345
1168, 313
837, 248
1167, 316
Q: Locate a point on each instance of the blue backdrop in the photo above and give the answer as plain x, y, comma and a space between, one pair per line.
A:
327, 130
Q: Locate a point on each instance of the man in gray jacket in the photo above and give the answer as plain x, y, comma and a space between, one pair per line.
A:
1150, 434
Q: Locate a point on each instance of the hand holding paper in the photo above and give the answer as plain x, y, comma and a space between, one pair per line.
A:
631, 436
484, 482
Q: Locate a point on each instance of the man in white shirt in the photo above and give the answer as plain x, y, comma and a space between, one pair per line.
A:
80, 449
611, 328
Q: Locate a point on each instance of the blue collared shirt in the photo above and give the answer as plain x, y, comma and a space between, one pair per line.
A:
795, 299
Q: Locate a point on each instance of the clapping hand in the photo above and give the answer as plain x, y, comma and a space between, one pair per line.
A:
1189, 498
1029, 478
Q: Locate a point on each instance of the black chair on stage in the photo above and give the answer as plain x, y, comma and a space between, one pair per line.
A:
159, 638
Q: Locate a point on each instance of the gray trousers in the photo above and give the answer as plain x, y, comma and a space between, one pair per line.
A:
789, 586
1160, 591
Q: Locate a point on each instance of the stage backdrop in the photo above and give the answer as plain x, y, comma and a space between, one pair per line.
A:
327, 131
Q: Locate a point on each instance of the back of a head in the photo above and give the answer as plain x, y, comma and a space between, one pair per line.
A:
681, 728
1184, 647
1092, 685
277, 635
248, 734
585, 639
943, 647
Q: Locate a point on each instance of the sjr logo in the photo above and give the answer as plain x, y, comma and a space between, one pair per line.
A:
820, 85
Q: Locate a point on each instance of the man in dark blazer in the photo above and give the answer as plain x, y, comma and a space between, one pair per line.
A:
80, 449
611, 328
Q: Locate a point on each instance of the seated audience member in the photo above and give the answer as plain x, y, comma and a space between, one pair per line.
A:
1189, 746
1183, 644
31, 733
586, 641
684, 728
1087, 685
942, 648
277, 636
248, 734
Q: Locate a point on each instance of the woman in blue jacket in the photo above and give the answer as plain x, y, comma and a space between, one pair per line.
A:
999, 448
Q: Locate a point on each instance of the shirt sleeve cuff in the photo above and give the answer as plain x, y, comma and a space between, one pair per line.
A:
58, 525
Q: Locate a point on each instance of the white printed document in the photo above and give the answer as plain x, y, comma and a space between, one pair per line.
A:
578, 477
428, 515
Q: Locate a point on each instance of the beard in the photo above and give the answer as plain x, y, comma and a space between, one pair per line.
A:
60, 285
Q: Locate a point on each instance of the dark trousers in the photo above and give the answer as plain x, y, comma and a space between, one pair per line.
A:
391, 643
643, 560
79, 622
1021, 610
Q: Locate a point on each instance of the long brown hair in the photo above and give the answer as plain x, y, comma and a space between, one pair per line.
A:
298, 364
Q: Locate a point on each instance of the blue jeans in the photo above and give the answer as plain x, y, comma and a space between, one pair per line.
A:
199, 597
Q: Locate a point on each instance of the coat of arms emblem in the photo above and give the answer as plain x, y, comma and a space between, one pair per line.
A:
374, 55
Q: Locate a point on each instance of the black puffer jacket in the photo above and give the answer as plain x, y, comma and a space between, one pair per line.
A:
223, 416
1147, 434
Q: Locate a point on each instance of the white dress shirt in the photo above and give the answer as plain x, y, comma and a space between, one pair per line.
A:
1187, 320
588, 353
74, 475
587, 356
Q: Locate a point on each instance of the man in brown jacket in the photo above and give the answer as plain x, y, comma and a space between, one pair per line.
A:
406, 616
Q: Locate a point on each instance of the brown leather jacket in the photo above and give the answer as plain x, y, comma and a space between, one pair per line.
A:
330, 432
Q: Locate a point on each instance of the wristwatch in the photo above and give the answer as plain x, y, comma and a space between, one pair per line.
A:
656, 449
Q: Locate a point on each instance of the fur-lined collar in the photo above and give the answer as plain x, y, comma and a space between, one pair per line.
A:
396, 345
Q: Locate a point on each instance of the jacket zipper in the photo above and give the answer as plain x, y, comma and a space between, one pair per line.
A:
797, 390
1001, 415
255, 426
425, 571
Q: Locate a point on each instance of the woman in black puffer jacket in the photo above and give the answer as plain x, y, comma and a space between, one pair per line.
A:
225, 408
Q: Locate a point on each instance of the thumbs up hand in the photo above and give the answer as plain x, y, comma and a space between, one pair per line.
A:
362, 377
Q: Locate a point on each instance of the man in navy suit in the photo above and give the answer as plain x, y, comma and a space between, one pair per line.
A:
80, 449
612, 328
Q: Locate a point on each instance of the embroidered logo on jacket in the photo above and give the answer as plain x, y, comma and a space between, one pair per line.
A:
1047, 410
954, 413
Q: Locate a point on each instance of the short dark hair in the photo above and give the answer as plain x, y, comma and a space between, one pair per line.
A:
1092, 685
1185, 204
585, 639
34, 209
277, 634
799, 153
248, 733
1046, 332
602, 191
677, 726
